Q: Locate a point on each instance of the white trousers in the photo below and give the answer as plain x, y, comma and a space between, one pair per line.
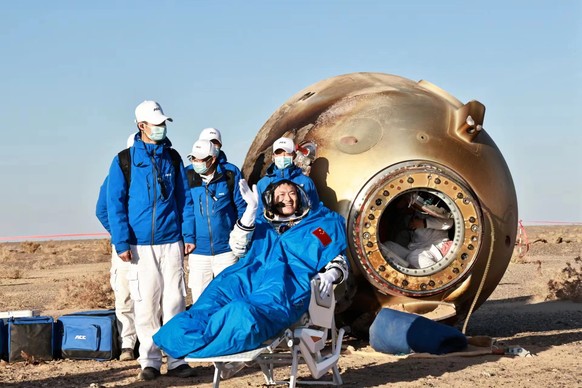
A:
123, 302
156, 283
202, 269
417, 258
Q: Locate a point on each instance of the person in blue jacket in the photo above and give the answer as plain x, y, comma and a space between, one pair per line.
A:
284, 168
269, 288
118, 279
217, 201
146, 211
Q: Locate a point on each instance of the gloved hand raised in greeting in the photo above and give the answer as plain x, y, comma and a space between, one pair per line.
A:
326, 280
251, 197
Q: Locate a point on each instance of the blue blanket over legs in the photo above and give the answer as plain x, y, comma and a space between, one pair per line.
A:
264, 293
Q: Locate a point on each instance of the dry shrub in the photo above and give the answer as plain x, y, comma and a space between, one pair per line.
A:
12, 273
40, 265
30, 247
518, 258
89, 293
569, 286
64, 253
4, 253
105, 246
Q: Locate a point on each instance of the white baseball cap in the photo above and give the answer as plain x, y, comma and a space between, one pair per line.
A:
210, 134
150, 112
285, 144
202, 149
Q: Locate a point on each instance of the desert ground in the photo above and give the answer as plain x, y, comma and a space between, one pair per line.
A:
58, 277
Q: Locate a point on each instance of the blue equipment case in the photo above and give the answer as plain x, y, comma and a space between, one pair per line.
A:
89, 335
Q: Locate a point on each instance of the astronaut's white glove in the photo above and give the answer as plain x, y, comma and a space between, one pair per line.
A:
326, 280
239, 239
251, 197
238, 248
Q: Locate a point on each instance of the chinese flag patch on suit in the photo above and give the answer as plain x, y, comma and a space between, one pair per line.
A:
322, 236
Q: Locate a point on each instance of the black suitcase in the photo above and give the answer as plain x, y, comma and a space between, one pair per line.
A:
3, 336
31, 339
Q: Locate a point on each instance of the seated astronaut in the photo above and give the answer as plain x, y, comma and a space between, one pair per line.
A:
269, 288
426, 239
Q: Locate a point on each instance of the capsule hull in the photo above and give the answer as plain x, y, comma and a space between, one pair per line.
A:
378, 138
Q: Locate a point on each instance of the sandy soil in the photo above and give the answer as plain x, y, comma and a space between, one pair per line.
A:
516, 314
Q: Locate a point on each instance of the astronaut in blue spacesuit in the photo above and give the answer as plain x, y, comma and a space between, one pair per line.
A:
269, 288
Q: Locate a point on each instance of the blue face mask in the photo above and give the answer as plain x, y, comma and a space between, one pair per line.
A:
200, 167
158, 133
283, 162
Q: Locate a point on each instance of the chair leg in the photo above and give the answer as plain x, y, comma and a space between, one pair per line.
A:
334, 334
294, 367
216, 381
337, 378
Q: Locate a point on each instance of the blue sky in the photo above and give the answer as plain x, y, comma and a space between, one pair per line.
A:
73, 73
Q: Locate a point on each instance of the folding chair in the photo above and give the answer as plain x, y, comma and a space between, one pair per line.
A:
306, 341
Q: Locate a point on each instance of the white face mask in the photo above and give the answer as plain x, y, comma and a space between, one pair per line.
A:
283, 162
200, 167
157, 133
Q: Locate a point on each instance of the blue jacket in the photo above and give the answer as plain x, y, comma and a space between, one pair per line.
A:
264, 293
215, 209
101, 208
138, 213
295, 175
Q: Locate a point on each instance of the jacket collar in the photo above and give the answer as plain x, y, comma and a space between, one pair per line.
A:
219, 173
286, 173
156, 149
